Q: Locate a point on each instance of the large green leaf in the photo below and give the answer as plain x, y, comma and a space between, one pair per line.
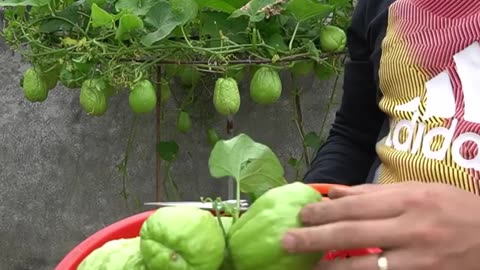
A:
129, 25
218, 5
213, 22
253, 165
137, 7
15, 3
237, 3
254, 9
165, 16
306, 9
184, 10
101, 17
340, 3
71, 14
162, 18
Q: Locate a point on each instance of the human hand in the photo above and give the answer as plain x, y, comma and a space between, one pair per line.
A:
419, 227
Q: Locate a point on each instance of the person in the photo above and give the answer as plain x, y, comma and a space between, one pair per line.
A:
405, 140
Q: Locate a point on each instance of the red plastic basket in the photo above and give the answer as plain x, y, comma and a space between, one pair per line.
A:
130, 227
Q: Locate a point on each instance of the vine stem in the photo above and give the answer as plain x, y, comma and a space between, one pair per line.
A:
185, 37
302, 56
124, 164
298, 116
231, 180
174, 185
158, 121
290, 45
330, 100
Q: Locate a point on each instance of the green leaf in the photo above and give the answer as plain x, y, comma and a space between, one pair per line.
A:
213, 22
253, 165
254, 9
306, 9
293, 162
168, 150
137, 7
312, 140
237, 3
101, 17
165, 16
15, 3
277, 42
325, 69
162, 18
340, 3
184, 10
71, 14
217, 5
129, 24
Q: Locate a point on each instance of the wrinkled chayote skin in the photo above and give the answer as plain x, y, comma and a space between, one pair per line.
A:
34, 86
255, 239
265, 86
93, 98
182, 238
122, 254
332, 39
226, 96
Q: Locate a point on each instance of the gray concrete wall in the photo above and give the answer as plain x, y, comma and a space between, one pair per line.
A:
58, 177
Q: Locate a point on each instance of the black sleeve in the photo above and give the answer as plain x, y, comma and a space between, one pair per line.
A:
348, 153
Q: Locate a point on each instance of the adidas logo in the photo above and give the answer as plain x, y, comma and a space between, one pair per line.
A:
440, 102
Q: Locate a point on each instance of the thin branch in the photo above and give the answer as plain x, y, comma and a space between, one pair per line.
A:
304, 56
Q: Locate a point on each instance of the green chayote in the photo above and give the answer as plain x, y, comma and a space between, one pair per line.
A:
34, 86
255, 239
122, 254
265, 86
93, 97
226, 96
332, 39
182, 238
142, 97
184, 122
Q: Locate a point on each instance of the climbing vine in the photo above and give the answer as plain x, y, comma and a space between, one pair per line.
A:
105, 47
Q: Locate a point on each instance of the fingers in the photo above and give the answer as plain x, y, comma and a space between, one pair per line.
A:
339, 192
362, 207
396, 260
344, 235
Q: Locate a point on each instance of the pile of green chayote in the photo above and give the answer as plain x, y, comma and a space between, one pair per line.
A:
187, 238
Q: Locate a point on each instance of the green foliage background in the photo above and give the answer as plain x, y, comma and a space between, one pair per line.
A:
123, 42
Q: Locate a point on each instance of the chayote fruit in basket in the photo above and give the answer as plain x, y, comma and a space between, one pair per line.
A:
122, 254
255, 239
182, 238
